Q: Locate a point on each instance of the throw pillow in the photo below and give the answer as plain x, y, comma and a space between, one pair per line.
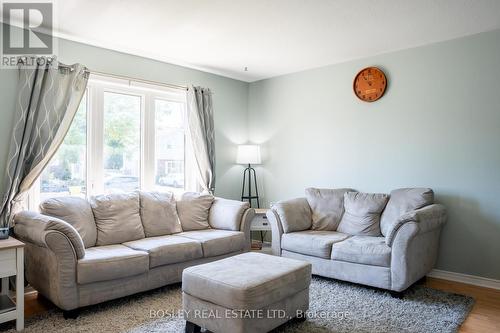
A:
193, 210
402, 201
362, 213
117, 218
327, 206
159, 214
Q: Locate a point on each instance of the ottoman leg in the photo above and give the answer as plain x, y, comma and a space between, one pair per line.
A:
71, 314
192, 328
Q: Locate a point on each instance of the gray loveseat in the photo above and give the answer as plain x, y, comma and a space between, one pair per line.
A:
385, 241
80, 253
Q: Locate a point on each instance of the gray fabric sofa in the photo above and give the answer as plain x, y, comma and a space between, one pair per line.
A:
118, 245
397, 248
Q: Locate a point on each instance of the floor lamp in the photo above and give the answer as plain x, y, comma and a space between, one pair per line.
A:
248, 155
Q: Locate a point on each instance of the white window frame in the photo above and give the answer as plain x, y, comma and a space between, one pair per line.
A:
97, 86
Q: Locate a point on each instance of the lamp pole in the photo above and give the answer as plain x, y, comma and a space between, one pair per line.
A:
250, 197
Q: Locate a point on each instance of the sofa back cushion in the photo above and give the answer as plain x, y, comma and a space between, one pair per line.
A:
193, 210
402, 201
327, 206
159, 214
362, 213
75, 211
117, 218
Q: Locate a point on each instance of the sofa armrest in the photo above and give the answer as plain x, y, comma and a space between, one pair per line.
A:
246, 223
39, 229
227, 214
428, 218
232, 215
294, 214
276, 231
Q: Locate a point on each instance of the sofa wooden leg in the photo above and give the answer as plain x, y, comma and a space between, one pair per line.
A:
71, 314
192, 327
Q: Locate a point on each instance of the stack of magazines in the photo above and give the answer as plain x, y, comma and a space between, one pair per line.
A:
256, 244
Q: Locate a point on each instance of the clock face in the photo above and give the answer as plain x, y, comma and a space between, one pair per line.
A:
369, 85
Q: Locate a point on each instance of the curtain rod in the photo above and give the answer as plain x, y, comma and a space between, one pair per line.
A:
128, 78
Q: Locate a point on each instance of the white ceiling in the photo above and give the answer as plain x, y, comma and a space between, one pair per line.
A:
270, 37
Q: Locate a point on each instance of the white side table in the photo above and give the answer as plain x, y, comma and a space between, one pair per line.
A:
261, 224
12, 263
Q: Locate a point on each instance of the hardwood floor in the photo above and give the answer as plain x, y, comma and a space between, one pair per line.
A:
35, 304
484, 317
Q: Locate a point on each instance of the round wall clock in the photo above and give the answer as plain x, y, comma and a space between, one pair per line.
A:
369, 84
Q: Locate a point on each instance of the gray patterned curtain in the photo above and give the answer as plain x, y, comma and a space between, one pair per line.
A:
48, 97
201, 129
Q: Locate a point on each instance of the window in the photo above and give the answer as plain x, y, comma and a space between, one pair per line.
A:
125, 136
122, 142
169, 146
67, 171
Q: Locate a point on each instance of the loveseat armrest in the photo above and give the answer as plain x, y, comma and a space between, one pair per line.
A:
276, 231
36, 228
428, 218
294, 214
288, 216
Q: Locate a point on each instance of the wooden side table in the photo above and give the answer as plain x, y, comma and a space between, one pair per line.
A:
12, 263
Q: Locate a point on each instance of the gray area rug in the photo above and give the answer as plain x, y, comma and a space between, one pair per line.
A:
335, 306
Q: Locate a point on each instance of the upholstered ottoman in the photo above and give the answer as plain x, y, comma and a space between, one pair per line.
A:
250, 292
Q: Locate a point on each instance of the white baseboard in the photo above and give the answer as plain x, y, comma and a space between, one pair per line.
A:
465, 278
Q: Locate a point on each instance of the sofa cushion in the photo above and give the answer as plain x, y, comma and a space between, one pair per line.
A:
159, 214
170, 249
247, 281
366, 250
75, 211
102, 263
117, 218
402, 201
327, 207
294, 214
362, 213
217, 242
193, 210
312, 242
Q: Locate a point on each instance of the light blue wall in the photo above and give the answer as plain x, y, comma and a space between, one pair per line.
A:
230, 101
438, 126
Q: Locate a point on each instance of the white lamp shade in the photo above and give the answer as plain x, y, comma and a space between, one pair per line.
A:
248, 154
